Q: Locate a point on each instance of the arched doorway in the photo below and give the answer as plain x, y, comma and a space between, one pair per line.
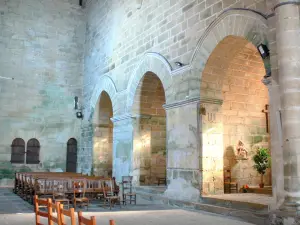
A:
71, 155
149, 144
103, 137
232, 102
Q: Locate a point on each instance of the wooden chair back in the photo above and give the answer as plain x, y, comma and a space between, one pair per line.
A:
68, 213
84, 221
107, 187
38, 214
53, 207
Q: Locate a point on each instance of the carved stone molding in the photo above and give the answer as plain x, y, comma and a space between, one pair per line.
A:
192, 101
125, 116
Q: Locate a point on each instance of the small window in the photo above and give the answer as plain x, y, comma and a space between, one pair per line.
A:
17, 151
33, 151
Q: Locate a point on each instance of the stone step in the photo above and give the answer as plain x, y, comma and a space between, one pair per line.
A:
255, 213
257, 190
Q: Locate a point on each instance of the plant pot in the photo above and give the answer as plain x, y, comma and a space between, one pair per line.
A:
261, 185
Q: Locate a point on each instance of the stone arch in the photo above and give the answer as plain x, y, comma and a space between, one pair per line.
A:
247, 24
151, 62
106, 84
245, 27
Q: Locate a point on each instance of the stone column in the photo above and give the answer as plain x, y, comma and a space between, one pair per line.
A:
122, 146
288, 49
183, 173
85, 151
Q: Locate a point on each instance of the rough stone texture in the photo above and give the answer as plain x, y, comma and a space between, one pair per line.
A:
42, 41
149, 147
41, 45
103, 137
288, 25
233, 77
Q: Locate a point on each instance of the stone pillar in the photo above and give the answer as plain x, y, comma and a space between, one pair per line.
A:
212, 150
275, 130
288, 49
122, 146
85, 151
183, 145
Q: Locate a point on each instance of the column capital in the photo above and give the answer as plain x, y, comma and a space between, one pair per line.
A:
190, 101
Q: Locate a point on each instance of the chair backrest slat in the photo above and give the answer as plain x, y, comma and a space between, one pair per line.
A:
69, 213
84, 221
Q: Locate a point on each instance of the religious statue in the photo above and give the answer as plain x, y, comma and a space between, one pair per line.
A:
242, 153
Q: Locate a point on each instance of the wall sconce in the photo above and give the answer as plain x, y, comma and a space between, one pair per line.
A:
179, 64
263, 51
79, 114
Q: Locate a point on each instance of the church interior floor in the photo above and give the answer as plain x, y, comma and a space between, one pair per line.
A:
245, 197
15, 211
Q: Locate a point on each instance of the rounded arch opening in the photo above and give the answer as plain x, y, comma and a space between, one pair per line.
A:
235, 125
33, 151
149, 137
18, 151
71, 155
103, 137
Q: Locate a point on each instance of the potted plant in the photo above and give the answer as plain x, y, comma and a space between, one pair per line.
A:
245, 188
261, 163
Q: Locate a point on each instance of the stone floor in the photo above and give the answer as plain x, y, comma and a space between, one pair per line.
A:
245, 197
14, 211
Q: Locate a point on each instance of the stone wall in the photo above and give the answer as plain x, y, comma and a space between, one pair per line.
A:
233, 76
120, 32
103, 137
149, 147
245, 96
41, 45
124, 41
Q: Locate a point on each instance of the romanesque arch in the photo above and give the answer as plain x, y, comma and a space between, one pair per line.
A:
151, 62
106, 84
238, 28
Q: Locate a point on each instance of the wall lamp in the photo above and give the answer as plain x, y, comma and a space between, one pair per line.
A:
263, 51
79, 114
179, 64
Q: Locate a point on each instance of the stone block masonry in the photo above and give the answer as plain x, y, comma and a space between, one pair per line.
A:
41, 45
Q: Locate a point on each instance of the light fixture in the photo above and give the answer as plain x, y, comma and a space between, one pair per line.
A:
76, 103
79, 115
263, 51
179, 64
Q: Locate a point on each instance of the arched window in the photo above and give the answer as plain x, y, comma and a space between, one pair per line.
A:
33, 151
71, 155
18, 151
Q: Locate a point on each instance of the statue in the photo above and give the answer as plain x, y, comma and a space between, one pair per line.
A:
242, 153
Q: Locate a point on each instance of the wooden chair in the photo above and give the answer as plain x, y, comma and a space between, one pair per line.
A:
127, 190
40, 203
56, 208
79, 194
229, 185
108, 193
84, 221
59, 195
69, 213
